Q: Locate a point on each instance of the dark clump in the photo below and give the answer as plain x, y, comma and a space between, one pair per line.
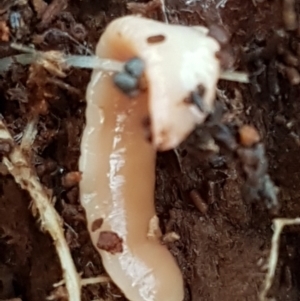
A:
110, 242
127, 83
258, 183
223, 135
196, 98
132, 80
135, 67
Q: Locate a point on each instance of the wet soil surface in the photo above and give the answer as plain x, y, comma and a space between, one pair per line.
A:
216, 201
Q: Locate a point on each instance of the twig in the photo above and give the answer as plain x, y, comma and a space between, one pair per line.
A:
26, 177
279, 224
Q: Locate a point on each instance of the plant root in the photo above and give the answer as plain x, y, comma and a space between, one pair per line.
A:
24, 174
278, 224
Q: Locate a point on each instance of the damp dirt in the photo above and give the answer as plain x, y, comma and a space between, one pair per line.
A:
214, 191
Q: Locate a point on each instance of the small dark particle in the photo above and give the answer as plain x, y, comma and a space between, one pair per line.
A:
146, 123
198, 201
218, 162
15, 20
135, 67
201, 90
156, 39
222, 134
97, 223
196, 97
126, 83
110, 241
5, 147
269, 192
198, 101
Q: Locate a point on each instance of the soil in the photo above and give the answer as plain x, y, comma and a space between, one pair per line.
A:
219, 204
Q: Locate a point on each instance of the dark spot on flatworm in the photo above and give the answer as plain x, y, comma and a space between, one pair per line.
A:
156, 39
198, 101
110, 241
135, 67
97, 223
146, 123
196, 98
201, 90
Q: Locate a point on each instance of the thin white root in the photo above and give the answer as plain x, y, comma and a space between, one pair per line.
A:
95, 280
26, 177
59, 59
86, 281
93, 62
279, 224
55, 61
235, 76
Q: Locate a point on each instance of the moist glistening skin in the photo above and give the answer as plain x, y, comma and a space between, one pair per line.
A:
126, 124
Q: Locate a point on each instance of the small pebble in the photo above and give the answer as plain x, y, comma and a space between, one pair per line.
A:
71, 179
248, 135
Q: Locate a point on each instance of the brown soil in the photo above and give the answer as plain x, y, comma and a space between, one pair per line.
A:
207, 198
